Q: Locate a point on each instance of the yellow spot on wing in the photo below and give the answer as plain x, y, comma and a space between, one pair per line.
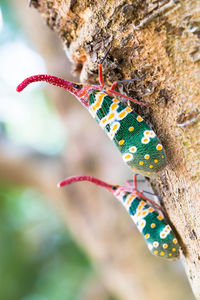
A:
100, 97
144, 213
128, 109
127, 157
121, 142
155, 244
130, 200
139, 119
133, 149
113, 106
115, 127
122, 114
159, 147
151, 209
97, 105
111, 116
145, 140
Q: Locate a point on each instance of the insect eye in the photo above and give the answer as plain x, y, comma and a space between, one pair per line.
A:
114, 188
78, 86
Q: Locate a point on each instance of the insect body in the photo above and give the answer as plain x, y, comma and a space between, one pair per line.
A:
137, 143
157, 233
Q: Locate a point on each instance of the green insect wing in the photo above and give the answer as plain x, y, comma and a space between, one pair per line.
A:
157, 233
139, 146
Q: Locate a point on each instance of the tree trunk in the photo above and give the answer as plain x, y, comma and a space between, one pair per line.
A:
161, 40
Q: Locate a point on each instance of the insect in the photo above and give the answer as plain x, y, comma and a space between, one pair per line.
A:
138, 144
157, 233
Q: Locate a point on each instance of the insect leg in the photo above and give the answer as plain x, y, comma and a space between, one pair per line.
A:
100, 67
112, 91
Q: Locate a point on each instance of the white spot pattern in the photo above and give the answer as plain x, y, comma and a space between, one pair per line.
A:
132, 149
141, 225
127, 157
166, 230
155, 244
145, 140
114, 127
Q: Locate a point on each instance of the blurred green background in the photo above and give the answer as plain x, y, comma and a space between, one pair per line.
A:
38, 258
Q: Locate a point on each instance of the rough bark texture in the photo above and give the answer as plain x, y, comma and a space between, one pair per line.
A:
161, 40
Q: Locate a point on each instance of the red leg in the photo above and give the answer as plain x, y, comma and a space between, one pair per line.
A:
149, 200
141, 195
135, 181
112, 91
101, 76
126, 97
113, 86
100, 66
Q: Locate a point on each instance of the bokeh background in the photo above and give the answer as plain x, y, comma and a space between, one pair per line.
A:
46, 135
39, 260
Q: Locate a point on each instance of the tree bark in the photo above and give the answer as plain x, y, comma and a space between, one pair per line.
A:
161, 40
